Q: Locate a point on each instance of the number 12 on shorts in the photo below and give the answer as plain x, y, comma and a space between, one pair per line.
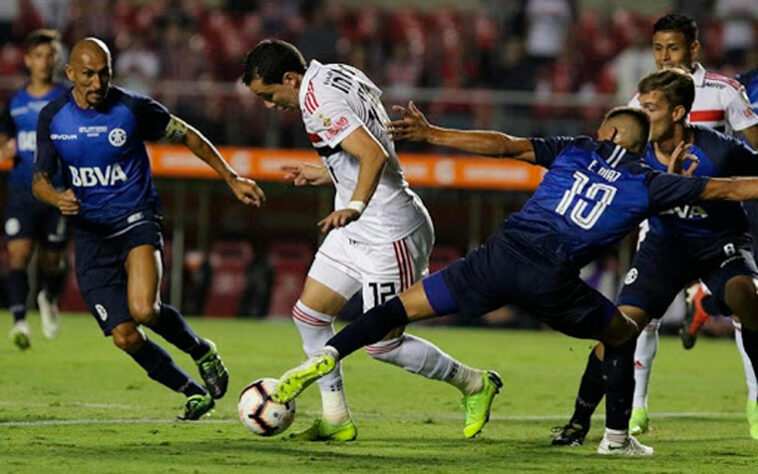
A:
586, 220
382, 291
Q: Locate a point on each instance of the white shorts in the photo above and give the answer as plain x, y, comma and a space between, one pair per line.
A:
381, 271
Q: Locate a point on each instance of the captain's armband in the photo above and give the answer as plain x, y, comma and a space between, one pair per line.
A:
176, 130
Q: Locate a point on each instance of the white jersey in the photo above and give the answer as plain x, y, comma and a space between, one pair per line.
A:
335, 100
720, 102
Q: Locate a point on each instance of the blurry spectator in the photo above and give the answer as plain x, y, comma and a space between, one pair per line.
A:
402, 68
319, 38
548, 31
631, 65
136, 66
10, 11
739, 29
54, 13
514, 73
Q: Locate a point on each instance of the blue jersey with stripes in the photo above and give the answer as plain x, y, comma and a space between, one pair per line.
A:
750, 81
720, 155
101, 152
19, 120
593, 194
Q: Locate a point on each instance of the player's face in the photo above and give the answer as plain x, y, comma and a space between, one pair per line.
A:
670, 49
41, 62
91, 76
276, 96
661, 114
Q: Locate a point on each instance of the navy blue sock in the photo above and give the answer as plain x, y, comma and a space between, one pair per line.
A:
173, 328
370, 327
53, 283
750, 342
18, 291
711, 305
161, 368
618, 376
591, 391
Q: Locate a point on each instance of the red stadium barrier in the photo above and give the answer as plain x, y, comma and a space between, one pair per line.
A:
290, 261
229, 261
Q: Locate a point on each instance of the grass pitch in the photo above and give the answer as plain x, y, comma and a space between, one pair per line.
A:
77, 404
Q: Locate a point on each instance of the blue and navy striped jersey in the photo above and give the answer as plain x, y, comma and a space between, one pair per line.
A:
101, 152
593, 194
19, 120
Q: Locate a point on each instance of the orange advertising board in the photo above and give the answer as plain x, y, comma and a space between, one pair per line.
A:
423, 170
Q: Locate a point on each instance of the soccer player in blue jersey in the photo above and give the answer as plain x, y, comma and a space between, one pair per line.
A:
593, 194
29, 222
94, 135
703, 240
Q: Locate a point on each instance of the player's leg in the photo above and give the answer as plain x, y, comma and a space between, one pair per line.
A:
20, 252
698, 299
144, 270
53, 268
751, 406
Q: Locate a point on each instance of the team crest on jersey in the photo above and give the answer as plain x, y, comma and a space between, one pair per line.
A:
631, 276
325, 120
117, 137
12, 226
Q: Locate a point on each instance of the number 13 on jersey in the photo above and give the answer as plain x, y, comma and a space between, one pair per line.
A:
600, 194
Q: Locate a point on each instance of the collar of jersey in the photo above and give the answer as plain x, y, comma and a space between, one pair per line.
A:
313, 67
698, 74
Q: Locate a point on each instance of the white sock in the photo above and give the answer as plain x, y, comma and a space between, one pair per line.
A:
752, 385
644, 354
421, 357
315, 330
616, 436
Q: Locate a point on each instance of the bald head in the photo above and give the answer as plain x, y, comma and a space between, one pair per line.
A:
628, 127
89, 69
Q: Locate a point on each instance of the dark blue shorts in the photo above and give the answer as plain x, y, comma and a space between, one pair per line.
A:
101, 272
27, 218
663, 267
505, 271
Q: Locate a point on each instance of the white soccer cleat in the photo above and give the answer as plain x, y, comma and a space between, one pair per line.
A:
48, 311
629, 447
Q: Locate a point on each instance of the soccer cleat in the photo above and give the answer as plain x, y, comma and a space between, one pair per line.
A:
197, 406
752, 418
639, 422
48, 311
320, 430
695, 317
20, 335
629, 447
213, 372
478, 405
294, 381
572, 434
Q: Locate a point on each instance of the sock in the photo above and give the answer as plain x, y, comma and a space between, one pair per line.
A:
315, 330
173, 328
647, 347
53, 284
369, 328
18, 291
711, 305
747, 342
591, 391
159, 367
618, 376
421, 357
616, 436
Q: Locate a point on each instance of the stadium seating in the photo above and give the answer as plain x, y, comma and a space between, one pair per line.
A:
228, 260
290, 261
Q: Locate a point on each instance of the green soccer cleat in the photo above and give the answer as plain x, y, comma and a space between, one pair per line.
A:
639, 422
752, 417
478, 404
294, 381
20, 335
197, 406
213, 372
320, 430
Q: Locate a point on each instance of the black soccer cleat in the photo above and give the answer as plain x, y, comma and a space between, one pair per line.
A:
196, 406
572, 434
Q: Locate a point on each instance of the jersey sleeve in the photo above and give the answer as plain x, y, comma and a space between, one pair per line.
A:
152, 118
7, 125
670, 190
332, 120
547, 149
745, 157
739, 112
45, 156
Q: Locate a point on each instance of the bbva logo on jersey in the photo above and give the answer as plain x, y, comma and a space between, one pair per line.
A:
89, 176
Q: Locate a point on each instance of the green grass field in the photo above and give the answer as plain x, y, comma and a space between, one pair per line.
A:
77, 404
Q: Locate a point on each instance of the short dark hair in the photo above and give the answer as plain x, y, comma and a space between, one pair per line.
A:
270, 59
639, 116
675, 22
676, 85
42, 36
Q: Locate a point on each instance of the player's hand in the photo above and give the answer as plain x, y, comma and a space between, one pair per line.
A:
306, 173
337, 219
247, 191
679, 156
67, 203
8, 150
413, 126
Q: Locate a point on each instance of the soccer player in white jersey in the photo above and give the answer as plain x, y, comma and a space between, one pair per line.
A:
380, 234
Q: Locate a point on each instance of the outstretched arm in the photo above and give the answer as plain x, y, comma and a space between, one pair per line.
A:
731, 189
415, 127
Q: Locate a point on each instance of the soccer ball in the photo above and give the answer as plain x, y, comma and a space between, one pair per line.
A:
259, 413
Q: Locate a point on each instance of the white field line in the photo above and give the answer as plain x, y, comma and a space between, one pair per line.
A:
417, 417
